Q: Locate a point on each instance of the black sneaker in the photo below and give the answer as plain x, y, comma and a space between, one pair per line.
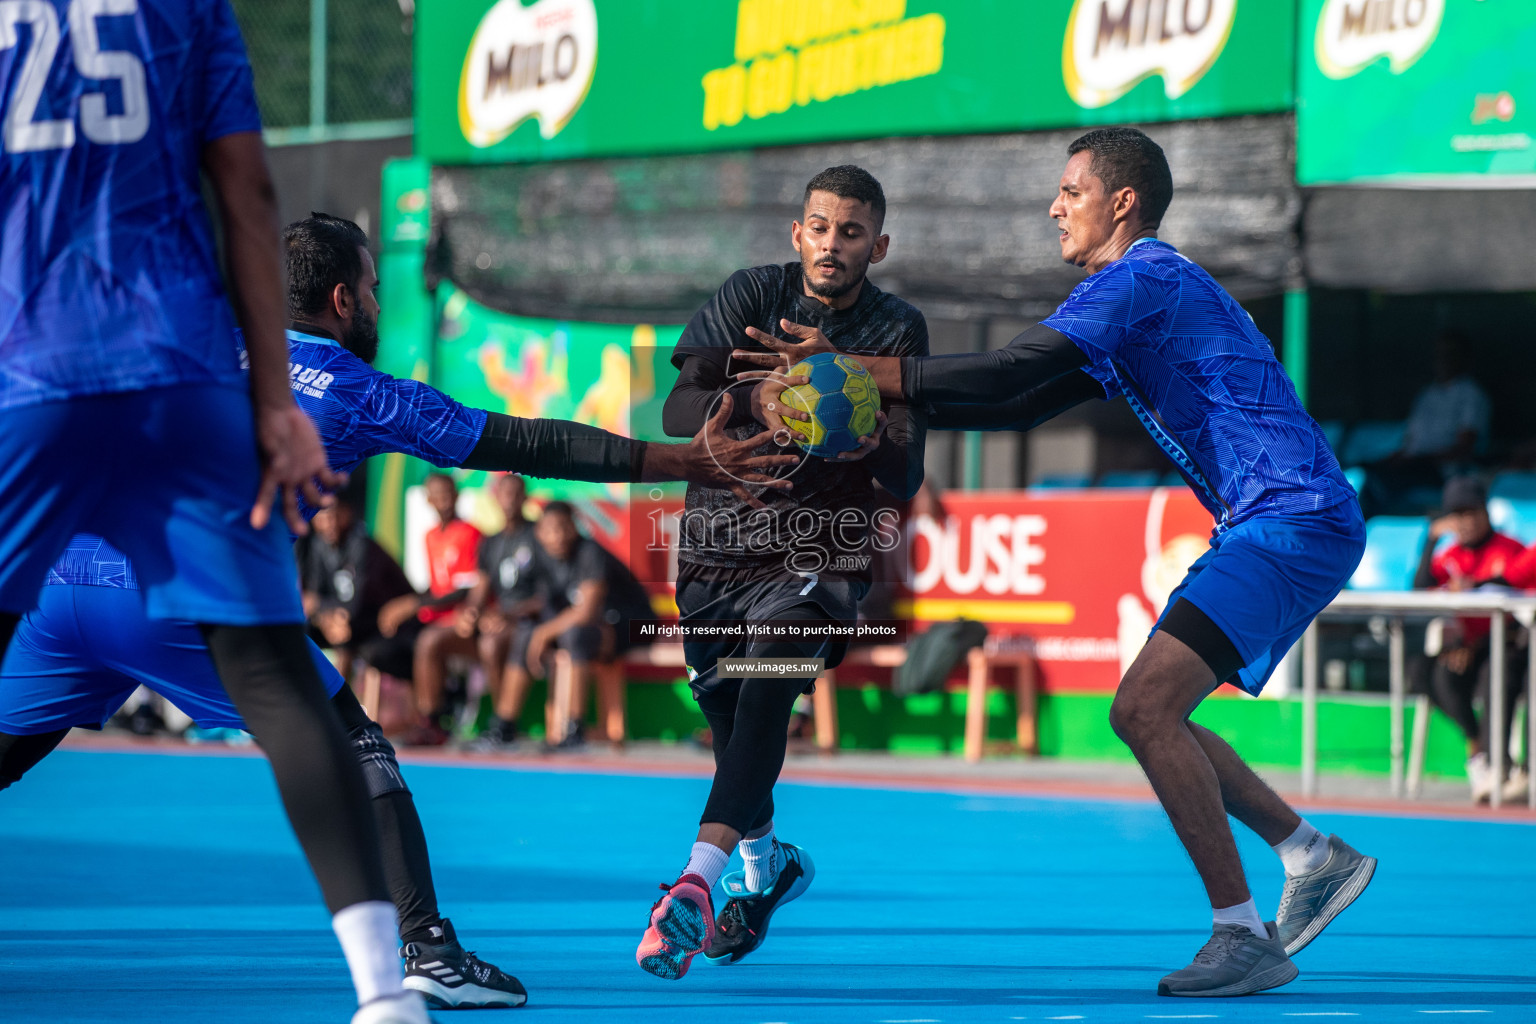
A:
575, 738
499, 735
452, 978
145, 721
743, 924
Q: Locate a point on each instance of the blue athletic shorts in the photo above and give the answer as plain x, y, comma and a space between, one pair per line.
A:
84, 650
1264, 580
168, 477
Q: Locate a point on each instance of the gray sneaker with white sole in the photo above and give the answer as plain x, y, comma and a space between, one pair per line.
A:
1309, 902
1233, 962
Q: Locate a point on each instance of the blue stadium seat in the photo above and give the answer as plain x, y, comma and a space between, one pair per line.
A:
1061, 481
1356, 477
1519, 486
1372, 441
1393, 545
1130, 478
1514, 516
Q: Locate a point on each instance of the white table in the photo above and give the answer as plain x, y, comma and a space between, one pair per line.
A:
1424, 604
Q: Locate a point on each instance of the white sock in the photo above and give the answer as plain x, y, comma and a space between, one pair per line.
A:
369, 936
1243, 914
1304, 851
762, 865
708, 862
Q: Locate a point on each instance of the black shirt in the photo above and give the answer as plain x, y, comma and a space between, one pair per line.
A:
723, 538
559, 579
357, 575
507, 561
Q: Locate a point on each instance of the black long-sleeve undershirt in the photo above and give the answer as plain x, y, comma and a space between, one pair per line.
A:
1022, 412
1035, 358
557, 449
694, 398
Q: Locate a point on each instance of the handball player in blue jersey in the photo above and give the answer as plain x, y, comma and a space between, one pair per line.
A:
123, 410
1150, 326
89, 643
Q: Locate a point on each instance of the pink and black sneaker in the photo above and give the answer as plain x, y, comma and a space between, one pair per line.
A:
682, 926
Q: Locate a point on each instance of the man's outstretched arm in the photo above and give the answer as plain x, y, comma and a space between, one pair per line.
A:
561, 449
1022, 412
1036, 357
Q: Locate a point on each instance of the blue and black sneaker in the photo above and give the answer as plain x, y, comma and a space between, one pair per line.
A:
743, 924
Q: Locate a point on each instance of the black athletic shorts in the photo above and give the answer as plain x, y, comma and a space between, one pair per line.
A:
761, 601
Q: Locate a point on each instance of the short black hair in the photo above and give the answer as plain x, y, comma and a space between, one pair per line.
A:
321, 252
847, 181
1127, 158
559, 508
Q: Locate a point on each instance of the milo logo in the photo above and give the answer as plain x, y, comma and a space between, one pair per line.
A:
1112, 45
1353, 34
526, 62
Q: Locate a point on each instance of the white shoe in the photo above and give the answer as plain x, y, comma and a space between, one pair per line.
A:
406, 1008
1480, 775
1516, 786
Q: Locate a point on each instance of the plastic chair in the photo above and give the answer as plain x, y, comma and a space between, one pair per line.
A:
1516, 486
1393, 545
1372, 441
1514, 516
1130, 478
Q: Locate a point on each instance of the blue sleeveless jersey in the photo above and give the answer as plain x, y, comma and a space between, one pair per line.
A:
1158, 330
359, 412
108, 275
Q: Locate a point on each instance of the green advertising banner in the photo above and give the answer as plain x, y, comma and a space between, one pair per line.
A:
614, 376
511, 80
1417, 92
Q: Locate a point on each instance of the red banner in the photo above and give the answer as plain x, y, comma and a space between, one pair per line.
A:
1078, 577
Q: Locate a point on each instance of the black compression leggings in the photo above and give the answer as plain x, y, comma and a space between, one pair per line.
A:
402, 841
749, 730
268, 674
19, 753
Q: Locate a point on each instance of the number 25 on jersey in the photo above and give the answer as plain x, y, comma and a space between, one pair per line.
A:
23, 132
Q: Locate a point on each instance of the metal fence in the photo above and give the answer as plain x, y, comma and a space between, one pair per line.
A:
330, 69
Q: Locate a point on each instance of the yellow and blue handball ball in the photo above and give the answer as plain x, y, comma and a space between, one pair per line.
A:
841, 399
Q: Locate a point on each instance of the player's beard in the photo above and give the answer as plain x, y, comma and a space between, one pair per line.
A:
833, 291
362, 338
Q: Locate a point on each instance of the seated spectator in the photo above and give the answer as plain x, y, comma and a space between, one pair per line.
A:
347, 578
1460, 672
502, 611
413, 627
1446, 429
592, 600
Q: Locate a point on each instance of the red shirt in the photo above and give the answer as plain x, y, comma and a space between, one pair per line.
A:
452, 557
1476, 565
1521, 570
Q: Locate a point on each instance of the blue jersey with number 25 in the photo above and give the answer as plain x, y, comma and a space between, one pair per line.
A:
108, 276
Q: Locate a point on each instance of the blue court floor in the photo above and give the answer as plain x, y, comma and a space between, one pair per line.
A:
147, 887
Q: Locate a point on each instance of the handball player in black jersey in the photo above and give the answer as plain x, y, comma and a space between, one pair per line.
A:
803, 559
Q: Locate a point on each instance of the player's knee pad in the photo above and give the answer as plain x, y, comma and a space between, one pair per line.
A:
380, 768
